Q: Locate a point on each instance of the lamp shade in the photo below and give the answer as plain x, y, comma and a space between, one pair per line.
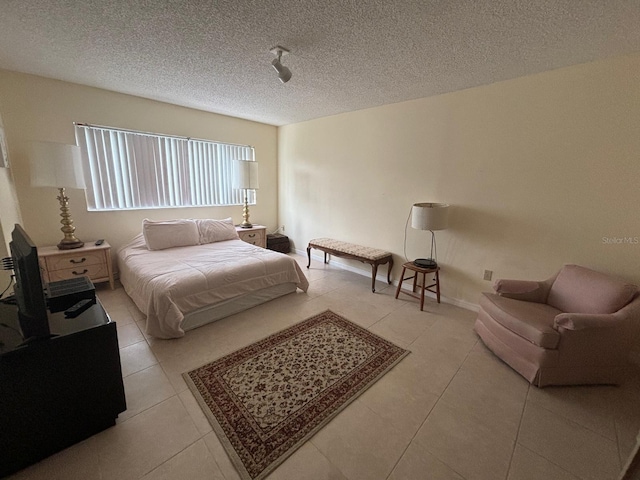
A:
55, 165
247, 177
430, 216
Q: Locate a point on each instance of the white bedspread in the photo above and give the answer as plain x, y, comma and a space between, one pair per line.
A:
166, 284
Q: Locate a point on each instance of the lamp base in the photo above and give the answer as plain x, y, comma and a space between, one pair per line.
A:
425, 263
245, 212
67, 245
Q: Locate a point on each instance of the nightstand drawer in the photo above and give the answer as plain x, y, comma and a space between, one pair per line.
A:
77, 260
251, 237
255, 235
94, 272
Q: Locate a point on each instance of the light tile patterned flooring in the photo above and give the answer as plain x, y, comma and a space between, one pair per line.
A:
450, 410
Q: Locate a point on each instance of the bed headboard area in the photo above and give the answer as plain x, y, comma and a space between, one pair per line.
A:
160, 235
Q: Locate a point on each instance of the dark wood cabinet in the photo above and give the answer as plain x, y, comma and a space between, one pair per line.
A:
58, 391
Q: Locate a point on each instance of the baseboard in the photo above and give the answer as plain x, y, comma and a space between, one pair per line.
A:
335, 261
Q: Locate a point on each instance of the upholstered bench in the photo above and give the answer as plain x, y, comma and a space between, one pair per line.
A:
372, 256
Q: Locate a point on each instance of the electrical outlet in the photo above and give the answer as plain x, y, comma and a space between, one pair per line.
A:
488, 274
282, 228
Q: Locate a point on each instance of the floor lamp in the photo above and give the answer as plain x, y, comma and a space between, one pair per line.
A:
429, 216
247, 179
58, 165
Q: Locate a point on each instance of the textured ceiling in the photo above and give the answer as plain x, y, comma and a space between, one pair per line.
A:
345, 55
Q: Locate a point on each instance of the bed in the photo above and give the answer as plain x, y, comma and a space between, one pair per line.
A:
182, 287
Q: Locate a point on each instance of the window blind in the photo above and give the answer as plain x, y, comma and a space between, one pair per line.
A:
134, 170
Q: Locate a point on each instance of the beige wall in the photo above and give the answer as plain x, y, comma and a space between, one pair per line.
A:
35, 108
9, 215
537, 169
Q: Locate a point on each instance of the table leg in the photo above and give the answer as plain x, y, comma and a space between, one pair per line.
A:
422, 290
400, 282
438, 286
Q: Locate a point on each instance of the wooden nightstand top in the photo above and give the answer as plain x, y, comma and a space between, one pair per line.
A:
249, 229
88, 246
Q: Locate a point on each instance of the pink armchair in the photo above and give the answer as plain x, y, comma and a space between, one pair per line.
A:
577, 327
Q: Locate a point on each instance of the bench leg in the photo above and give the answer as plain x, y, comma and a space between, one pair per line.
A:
374, 268
389, 271
325, 257
309, 255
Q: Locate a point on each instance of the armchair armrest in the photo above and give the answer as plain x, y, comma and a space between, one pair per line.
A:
629, 315
526, 290
583, 321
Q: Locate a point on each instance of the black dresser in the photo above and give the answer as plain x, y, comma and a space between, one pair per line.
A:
58, 391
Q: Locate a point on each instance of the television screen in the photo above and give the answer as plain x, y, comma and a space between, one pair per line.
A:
29, 292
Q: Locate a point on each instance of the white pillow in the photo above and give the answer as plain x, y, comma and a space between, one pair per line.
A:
170, 233
216, 230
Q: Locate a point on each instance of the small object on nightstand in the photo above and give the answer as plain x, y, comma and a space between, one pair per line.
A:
99, 242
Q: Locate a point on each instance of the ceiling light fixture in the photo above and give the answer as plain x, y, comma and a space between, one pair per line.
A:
284, 74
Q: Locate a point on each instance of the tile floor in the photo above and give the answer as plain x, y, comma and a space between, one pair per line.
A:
450, 410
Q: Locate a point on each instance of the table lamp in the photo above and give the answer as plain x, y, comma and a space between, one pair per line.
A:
429, 216
247, 179
58, 165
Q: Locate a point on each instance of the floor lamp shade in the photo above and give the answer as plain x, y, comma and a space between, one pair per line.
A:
430, 216
246, 179
58, 165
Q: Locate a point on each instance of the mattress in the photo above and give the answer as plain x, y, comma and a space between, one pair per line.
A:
168, 284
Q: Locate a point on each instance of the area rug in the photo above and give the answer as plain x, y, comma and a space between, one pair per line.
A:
265, 400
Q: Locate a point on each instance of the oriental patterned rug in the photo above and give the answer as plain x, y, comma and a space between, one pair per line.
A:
265, 400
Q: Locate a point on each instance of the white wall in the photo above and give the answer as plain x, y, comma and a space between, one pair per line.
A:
36, 108
538, 171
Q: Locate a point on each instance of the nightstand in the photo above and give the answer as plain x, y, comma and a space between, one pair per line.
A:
90, 260
256, 235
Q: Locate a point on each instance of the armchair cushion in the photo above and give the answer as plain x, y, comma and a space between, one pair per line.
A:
530, 320
526, 290
580, 290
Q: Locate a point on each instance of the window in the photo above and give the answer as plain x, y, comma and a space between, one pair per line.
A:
133, 170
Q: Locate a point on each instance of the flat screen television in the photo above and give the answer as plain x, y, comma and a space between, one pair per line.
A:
29, 292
